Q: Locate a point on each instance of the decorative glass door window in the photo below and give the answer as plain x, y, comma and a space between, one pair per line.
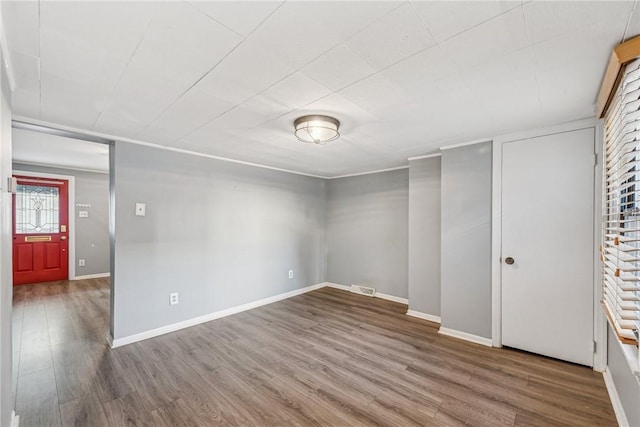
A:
37, 209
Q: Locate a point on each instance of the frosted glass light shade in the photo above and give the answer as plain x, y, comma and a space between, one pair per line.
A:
316, 129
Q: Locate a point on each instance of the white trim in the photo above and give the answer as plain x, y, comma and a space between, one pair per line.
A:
71, 168
426, 156
92, 276
72, 212
15, 419
630, 353
424, 316
118, 342
618, 409
338, 286
496, 232
549, 130
465, 336
496, 244
391, 298
7, 58
464, 144
367, 173
160, 147
599, 318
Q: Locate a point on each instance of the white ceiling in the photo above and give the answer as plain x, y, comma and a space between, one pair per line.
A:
37, 148
229, 78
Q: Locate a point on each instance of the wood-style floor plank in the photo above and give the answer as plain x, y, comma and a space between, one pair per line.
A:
325, 358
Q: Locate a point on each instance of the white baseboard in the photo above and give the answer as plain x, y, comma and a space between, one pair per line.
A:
377, 294
91, 276
15, 419
337, 286
392, 298
118, 342
424, 316
465, 336
621, 417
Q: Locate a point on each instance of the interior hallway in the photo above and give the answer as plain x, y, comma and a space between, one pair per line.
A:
327, 357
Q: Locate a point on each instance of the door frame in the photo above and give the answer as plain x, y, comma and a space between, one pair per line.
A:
72, 211
599, 320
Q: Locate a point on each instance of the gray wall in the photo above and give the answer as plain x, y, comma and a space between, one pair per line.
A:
625, 381
6, 281
466, 239
367, 231
424, 235
92, 233
218, 233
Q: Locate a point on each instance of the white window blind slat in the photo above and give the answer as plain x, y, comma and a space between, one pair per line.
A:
621, 207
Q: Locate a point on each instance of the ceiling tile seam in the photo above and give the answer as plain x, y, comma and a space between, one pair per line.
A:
424, 24
187, 90
180, 138
626, 29
533, 59
481, 23
243, 39
212, 18
119, 79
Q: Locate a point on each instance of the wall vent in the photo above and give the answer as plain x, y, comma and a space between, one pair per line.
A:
363, 290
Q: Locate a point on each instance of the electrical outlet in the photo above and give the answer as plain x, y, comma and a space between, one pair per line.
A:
173, 298
81, 262
290, 274
141, 209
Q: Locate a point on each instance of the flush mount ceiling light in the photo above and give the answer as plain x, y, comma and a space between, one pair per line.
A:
316, 129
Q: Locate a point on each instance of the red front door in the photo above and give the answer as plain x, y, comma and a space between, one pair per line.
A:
40, 230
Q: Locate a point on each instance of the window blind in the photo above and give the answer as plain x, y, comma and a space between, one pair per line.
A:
621, 222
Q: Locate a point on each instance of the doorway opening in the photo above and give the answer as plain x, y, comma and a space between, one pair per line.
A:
62, 258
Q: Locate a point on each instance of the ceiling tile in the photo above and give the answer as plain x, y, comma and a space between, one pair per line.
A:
301, 31
21, 24
296, 91
421, 70
549, 19
245, 72
173, 56
499, 36
338, 68
445, 19
26, 70
191, 111
396, 36
377, 93
65, 101
242, 17
26, 103
112, 28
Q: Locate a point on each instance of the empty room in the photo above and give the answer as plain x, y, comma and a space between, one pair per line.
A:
303, 213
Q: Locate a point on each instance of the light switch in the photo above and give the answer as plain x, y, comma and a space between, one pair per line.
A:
140, 209
83, 214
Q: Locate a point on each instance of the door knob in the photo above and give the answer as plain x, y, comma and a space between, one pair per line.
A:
509, 261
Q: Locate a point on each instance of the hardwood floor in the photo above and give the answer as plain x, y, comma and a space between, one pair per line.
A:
327, 357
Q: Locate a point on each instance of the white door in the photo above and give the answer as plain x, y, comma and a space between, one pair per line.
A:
547, 231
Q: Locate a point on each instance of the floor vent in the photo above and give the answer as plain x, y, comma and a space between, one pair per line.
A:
363, 290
